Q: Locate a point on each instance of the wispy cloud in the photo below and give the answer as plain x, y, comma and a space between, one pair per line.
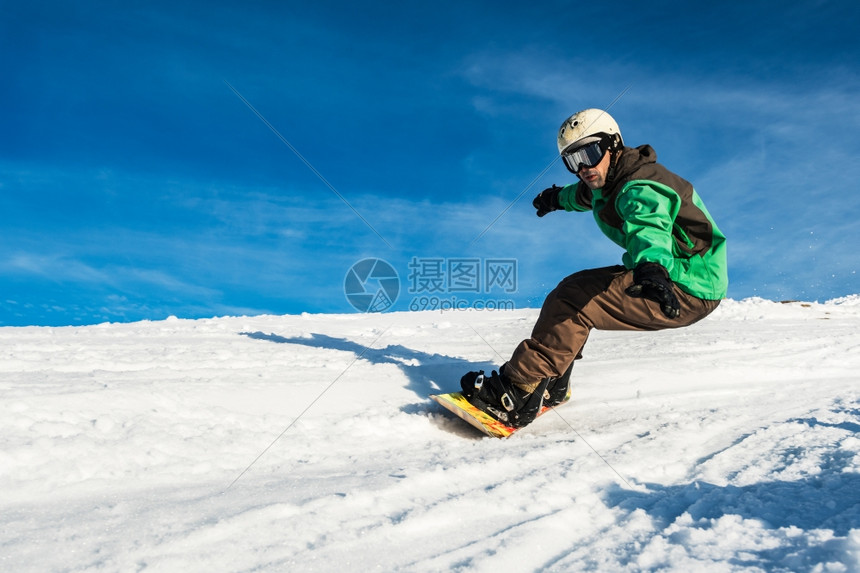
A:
52, 267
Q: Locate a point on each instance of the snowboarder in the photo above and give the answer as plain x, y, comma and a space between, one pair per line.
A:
673, 273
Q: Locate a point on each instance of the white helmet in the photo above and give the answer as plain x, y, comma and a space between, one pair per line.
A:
587, 126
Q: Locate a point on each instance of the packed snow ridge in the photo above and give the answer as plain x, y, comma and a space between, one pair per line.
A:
308, 443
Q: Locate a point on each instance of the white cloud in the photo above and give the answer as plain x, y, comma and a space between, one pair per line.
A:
56, 268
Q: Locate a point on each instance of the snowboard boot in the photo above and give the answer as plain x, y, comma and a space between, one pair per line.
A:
501, 399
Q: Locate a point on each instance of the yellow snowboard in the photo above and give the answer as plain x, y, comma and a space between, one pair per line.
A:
455, 402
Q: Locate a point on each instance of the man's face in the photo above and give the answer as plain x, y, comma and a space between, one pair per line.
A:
595, 177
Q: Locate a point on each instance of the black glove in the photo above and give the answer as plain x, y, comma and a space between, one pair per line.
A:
547, 200
651, 281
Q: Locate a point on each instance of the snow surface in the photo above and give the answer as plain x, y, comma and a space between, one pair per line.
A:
308, 443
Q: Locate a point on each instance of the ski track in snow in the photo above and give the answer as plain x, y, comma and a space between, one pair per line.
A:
731, 445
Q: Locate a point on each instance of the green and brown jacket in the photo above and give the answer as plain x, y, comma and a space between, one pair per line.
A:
656, 217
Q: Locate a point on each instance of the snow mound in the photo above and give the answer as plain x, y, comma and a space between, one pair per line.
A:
851, 300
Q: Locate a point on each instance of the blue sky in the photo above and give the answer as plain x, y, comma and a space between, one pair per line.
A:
136, 184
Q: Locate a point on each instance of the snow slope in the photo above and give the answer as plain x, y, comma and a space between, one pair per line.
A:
307, 443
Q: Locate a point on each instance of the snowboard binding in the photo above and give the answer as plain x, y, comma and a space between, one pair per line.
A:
503, 400
558, 390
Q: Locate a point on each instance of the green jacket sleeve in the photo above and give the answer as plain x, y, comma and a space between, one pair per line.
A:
572, 198
648, 210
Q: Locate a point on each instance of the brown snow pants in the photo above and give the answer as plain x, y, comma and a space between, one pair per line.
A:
591, 299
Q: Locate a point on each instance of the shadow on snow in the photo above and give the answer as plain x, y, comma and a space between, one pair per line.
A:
828, 500
426, 373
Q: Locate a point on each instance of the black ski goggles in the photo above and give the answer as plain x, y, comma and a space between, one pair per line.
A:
587, 156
